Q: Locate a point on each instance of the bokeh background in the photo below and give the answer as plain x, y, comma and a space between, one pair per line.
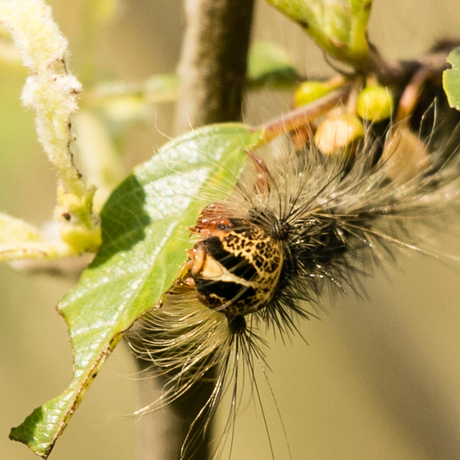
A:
379, 378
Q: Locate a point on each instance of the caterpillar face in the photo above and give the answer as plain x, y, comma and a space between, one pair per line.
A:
236, 266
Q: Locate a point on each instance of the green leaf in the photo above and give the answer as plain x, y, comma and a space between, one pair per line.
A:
338, 26
451, 79
268, 63
144, 245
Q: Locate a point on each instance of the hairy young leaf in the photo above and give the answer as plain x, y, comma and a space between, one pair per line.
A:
338, 26
145, 238
20, 240
451, 79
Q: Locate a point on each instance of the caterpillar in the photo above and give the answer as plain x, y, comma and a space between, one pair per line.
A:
299, 223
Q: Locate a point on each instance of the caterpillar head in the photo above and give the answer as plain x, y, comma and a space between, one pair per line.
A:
236, 264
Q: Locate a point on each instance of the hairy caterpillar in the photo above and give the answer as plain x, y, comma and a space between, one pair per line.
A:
298, 225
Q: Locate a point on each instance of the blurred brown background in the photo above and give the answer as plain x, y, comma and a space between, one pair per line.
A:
380, 378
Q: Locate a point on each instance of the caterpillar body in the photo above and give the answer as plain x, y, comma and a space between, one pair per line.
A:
299, 223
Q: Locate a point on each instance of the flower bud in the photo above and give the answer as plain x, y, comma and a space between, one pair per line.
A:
337, 132
309, 91
375, 103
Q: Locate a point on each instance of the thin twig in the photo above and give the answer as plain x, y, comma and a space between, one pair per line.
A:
306, 114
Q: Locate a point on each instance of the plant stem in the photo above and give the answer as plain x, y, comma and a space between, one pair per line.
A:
212, 66
212, 73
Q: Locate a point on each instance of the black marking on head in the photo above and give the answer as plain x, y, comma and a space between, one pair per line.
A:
218, 293
238, 265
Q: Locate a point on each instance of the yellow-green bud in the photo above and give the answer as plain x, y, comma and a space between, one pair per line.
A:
309, 91
375, 103
337, 132
81, 238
